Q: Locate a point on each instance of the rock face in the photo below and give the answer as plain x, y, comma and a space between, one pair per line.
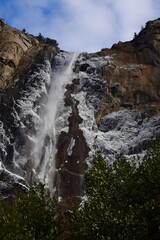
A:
134, 70
18, 51
123, 129
57, 107
25, 66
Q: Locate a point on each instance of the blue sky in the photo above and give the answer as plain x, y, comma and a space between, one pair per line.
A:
81, 25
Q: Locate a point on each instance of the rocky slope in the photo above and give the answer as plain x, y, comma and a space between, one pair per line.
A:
25, 66
56, 107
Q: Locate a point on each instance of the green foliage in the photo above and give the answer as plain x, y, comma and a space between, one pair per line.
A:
34, 216
135, 35
52, 42
123, 199
40, 38
47, 40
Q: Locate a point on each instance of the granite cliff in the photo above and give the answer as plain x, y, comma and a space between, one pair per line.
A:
134, 70
25, 63
56, 107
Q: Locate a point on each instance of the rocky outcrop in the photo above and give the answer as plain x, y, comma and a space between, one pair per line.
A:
18, 52
72, 150
133, 70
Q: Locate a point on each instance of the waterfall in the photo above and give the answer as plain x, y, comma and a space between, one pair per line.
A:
43, 149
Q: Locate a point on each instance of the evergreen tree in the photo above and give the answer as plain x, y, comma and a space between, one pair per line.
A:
122, 199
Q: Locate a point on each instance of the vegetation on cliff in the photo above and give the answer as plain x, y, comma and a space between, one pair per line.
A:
122, 201
47, 40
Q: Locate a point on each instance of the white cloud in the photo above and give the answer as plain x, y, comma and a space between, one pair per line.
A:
85, 25
133, 14
94, 24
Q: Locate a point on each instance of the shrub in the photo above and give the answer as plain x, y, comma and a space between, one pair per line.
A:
34, 216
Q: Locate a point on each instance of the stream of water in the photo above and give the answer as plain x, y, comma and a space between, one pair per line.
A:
44, 147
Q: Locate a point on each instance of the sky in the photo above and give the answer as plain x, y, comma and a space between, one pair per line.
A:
81, 25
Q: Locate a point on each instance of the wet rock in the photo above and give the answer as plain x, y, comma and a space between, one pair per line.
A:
11, 185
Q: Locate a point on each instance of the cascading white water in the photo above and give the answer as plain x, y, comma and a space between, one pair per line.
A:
43, 149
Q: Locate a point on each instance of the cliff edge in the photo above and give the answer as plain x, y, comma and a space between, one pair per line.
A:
19, 51
133, 73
